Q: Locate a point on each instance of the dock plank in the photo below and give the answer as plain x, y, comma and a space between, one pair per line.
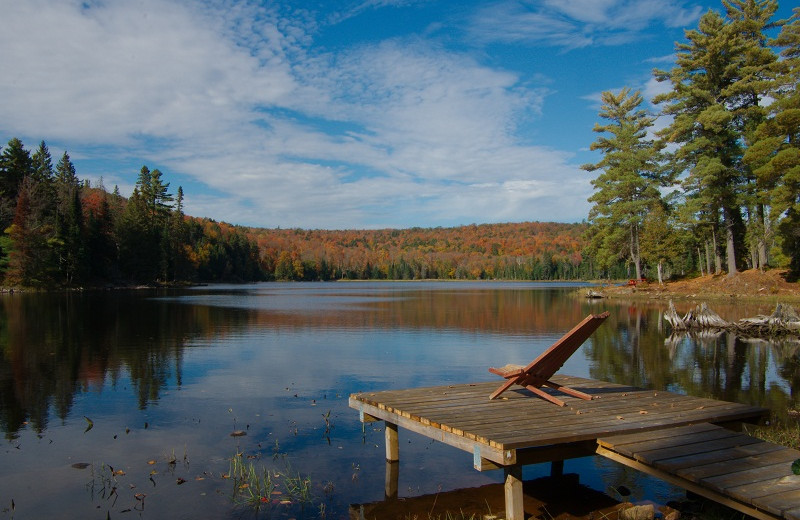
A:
749, 474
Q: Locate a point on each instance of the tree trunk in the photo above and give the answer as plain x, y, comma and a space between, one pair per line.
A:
730, 248
660, 271
708, 258
700, 261
762, 238
635, 256
717, 258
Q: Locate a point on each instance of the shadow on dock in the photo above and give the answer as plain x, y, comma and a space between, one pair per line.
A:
554, 498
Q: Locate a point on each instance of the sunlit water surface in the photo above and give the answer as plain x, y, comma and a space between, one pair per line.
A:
145, 388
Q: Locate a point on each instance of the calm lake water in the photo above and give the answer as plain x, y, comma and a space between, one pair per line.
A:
115, 404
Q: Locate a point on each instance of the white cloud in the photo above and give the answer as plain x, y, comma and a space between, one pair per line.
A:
110, 72
576, 23
397, 133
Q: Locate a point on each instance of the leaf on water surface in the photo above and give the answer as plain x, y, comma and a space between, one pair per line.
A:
90, 424
181, 481
119, 472
796, 467
238, 433
81, 465
151, 462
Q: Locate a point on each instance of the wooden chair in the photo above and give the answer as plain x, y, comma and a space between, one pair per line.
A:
540, 370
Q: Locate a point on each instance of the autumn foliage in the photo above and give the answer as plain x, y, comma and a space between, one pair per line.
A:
528, 250
63, 232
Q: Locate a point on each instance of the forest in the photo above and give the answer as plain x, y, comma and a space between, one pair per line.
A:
708, 183
510, 251
719, 180
64, 232
60, 231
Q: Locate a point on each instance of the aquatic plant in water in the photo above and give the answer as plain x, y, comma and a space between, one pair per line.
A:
259, 486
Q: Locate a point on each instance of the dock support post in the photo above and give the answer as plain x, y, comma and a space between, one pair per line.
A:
392, 443
556, 468
513, 492
392, 479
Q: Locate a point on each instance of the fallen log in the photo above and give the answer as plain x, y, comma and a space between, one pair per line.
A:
783, 320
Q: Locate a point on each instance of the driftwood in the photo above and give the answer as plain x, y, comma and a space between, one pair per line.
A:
701, 317
591, 293
783, 320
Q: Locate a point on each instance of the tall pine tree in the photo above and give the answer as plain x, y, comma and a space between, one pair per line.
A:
629, 182
775, 153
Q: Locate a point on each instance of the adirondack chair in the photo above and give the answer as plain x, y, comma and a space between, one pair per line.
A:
540, 370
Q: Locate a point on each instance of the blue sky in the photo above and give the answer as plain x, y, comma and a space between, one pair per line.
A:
335, 114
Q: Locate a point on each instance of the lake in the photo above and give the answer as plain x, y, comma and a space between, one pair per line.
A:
123, 403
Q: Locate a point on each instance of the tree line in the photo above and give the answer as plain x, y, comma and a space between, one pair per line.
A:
718, 188
60, 231
508, 251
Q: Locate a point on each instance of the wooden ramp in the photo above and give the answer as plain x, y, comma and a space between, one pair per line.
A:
734, 469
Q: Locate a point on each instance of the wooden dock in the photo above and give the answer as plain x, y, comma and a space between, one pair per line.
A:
520, 429
734, 469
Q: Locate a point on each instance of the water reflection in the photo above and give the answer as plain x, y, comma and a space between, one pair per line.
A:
163, 371
57, 346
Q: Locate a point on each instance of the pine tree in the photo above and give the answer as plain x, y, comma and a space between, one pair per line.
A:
28, 259
775, 153
629, 182
15, 165
69, 244
719, 80
750, 20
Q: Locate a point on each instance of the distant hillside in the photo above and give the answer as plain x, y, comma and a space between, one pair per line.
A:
527, 250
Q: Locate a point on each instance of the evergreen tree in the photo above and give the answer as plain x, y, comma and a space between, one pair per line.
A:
69, 244
15, 165
775, 153
660, 238
100, 245
629, 182
178, 239
139, 242
28, 258
42, 164
717, 85
750, 20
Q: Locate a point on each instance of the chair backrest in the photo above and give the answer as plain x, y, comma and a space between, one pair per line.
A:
551, 360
